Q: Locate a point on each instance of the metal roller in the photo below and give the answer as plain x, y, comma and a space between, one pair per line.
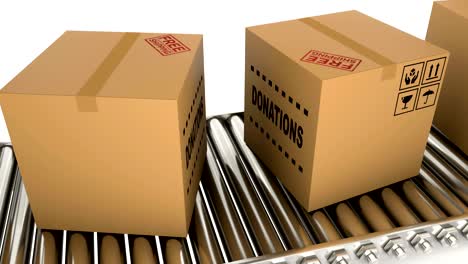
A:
447, 173
207, 244
18, 229
46, 252
7, 164
323, 227
454, 156
400, 211
78, 251
175, 252
289, 222
374, 214
143, 252
423, 204
231, 226
238, 197
238, 178
110, 251
441, 194
350, 222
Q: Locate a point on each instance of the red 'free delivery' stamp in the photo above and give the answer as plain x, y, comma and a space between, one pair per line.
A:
167, 45
331, 60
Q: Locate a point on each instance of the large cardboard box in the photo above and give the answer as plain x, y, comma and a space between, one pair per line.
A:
339, 105
448, 28
108, 130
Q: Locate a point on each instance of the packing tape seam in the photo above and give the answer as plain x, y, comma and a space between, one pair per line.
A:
86, 96
389, 67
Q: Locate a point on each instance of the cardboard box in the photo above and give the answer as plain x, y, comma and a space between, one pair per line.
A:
339, 105
448, 28
108, 130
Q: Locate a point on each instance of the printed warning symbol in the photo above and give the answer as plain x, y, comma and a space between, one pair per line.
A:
427, 96
411, 75
406, 101
434, 70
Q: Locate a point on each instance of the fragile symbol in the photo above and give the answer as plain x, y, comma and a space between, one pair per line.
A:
405, 100
412, 77
427, 94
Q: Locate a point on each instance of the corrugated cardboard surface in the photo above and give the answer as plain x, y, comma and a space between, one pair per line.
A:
354, 135
447, 28
100, 127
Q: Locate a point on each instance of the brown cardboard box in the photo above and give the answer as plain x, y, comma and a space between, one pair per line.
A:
324, 105
448, 28
108, 129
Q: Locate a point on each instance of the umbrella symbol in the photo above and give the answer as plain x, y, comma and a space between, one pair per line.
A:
406, 99
427, 94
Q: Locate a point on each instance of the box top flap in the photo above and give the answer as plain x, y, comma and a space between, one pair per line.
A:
460, 7
110, 64
344, 36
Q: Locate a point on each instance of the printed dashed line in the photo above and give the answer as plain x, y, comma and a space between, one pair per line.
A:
193, 102
274, 143
202, 140
283, 93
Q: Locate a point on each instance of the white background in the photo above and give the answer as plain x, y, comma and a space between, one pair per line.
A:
29, 27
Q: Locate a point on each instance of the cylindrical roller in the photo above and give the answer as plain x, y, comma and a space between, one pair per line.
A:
323, 227
447, 173
175, 252
374, 215
423, 205
47, 249
398, 208
208, 249
441, 194
235, 237
110, 252
78, 251
18, 229
143, 252
351, 224
443, 148
7, 162
239, 180
289, 222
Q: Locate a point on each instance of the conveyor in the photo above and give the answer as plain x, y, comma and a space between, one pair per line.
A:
243, 214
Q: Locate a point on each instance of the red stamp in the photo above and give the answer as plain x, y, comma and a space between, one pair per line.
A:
331, 60
167, 45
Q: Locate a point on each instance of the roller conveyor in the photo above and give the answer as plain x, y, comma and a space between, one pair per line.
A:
244, 215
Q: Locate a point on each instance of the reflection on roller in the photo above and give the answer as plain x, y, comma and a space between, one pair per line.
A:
47, 251
292, 228
323, 227
208, 250
231, 226
143, 252
111, 252
441, 194
423, 205
78, 252
374, 215
351, 224
238, 178
175, 252
403, 215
